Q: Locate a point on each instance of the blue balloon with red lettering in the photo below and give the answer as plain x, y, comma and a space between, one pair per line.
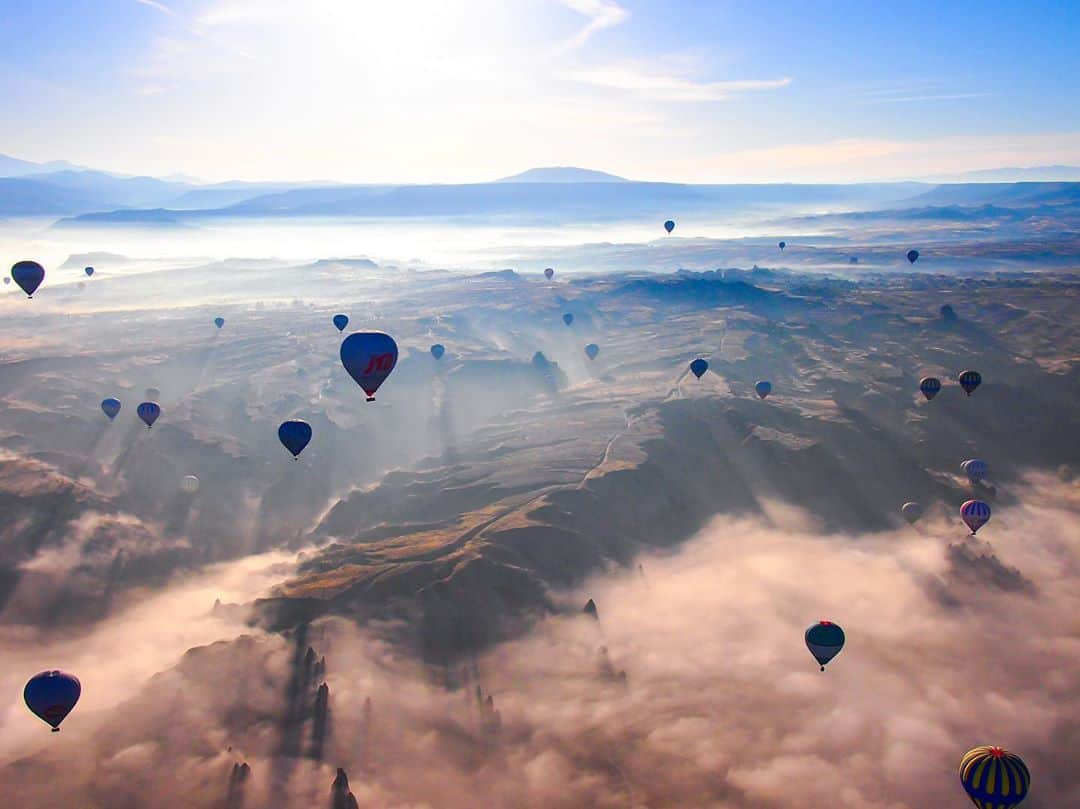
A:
369, 357
294, 435
50, 695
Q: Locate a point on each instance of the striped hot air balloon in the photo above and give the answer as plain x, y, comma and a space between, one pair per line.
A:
975, 514
994, 778
969, 380
930, 387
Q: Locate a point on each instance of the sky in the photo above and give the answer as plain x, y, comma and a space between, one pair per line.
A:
471, 90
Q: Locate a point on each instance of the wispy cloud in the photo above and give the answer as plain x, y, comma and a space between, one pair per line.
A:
164, 9
601, 13
670, 87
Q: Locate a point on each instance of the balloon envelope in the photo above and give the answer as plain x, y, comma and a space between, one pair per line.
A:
969, 380
669, 226
152, 394
51, 695
7, 279
190, 484
89, 271
568, 318
295, 435
763, 388
975, 514
591, 350
341, 321
149, 412
824, 640
994, 777
111, 407
912, 256
782, 245
975, 469
911, 511
219, 322
548, 273
28, 275
699, 367
438, 350
930, 387
369, 357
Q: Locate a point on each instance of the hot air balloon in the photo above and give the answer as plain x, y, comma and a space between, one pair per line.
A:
28, 275
149, 412
782, 245
591, 350
219, 322
111, 407
89, 271
549, 273
568, 318
7, 279
912, 256
930, 387
669, 225
295, 435
152, 394
763, 388
824, 640
341, 321
969, 380
369, 357
975, 514
994, 778
51, 695
190, 484
975, 469
438, 350
911, 511
699, 367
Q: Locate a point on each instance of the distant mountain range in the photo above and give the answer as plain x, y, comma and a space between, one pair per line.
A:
563, 174
79, 196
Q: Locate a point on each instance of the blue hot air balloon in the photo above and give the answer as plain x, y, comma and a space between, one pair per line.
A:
548, 273
50, 695
975, 469
28, 275
89, 271
669, 225
911, 511
912, 256
763, 388
341, 321
591, 350
111, 407
969, 380
219, 322
994, 778
568, 318
930, 387
975, 514
782, 245
699, 367
824, 640
369, 357
438, 350
149, 412
294, 435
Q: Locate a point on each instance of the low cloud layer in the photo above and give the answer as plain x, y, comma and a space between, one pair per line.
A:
692, 688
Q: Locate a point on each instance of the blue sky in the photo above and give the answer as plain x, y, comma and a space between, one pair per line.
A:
462, 90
